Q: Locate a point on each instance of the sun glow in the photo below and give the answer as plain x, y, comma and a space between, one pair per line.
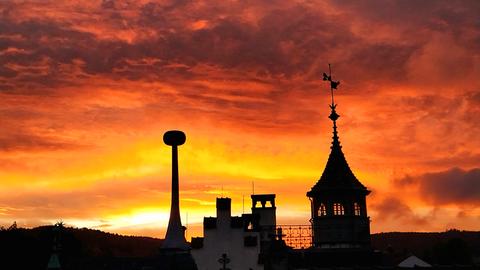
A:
142, 217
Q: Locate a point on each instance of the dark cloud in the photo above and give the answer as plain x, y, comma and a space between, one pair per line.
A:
239, 42
285, 41
30, 142
369, 62
455, 186
395, 209
108, 4
473, 97
467, 159
405, 181
436, 34
472, 110
443, 15
7, 72
274, 45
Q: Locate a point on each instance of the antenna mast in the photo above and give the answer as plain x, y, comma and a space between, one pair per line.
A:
330, 76
243, 204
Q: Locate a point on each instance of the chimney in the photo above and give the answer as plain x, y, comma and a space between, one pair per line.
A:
224, 211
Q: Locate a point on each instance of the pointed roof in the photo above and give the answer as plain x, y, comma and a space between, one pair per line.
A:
54, 262
413, 262
337, 173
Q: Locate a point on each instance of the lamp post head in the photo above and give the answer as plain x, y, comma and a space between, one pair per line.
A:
174, 137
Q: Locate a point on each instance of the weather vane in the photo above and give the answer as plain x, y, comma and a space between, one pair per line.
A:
333, 85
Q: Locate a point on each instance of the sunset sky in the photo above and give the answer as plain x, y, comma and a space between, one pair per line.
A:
87, 89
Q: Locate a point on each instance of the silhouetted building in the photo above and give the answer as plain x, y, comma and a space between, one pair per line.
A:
338, 203
339, 220
244, 240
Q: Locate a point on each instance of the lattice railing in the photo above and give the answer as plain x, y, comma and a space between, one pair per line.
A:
296, 236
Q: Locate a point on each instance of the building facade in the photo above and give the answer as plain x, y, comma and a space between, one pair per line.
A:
238, 239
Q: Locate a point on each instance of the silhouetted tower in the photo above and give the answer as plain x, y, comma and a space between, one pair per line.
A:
175, 252
54, 261
338, 199
263, 206
175, 237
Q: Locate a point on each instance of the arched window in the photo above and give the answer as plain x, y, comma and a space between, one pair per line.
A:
356, 209
322, 211
338, 209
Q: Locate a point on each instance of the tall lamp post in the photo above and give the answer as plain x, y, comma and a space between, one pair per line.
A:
175, 237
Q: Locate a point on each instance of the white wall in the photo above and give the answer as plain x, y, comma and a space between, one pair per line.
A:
230, 241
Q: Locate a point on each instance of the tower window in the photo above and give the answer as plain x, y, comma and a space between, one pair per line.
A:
356, 208
338, 209
322, 211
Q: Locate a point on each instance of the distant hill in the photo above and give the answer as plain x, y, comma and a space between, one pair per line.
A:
450, 247
31, 248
